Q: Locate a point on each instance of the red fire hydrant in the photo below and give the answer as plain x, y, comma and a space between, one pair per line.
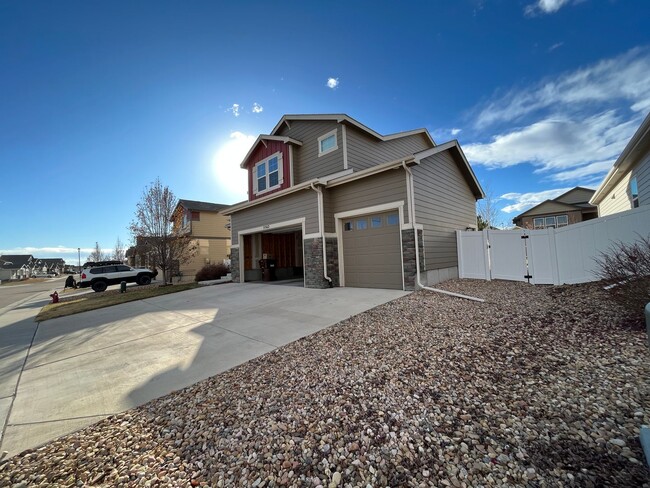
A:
55, 297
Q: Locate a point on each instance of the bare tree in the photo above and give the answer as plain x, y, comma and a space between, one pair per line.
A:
157, 225
119, 252
98, 254
488, 213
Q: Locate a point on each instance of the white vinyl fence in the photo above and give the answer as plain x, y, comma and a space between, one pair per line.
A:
549, 256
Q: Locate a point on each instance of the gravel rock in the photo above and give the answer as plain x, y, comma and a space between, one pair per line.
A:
538, 386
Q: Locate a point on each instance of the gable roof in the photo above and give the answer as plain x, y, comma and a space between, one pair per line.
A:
463, 164
265, 137
200, 206
539, 208
587, 191
344, 118
51, 261
15, 261
638, 145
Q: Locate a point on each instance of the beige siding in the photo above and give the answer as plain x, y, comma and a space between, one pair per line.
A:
578, 195
388, 186
617, 200
211, 224
306, 162
209, 251
365, 151
296, 205
642, 175
548, 208
444, 203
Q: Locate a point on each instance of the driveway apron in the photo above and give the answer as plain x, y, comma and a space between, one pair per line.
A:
73, 371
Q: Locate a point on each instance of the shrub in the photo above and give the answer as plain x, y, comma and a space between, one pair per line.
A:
625, 269
211, 272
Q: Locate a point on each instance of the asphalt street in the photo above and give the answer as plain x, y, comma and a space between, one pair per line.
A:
13, 293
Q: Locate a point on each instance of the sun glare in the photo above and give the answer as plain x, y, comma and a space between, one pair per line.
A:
231, 179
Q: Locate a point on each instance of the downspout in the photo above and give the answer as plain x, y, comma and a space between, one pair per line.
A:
321, 229
411, 203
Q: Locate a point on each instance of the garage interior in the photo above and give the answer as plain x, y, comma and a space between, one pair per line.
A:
273, 256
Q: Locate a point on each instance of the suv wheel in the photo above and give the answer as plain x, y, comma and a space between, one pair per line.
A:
144, 279
99, 286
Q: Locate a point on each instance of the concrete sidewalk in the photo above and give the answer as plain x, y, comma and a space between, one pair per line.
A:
82, 368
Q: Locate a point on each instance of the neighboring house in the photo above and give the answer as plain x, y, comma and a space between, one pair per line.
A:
50, 265
569, 208
210, 231
16, 266
627, 185
335, 203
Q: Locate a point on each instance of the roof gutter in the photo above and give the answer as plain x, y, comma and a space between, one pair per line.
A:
411, 203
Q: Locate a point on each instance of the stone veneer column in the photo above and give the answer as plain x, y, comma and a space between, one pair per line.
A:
314, 262
332, 244
234, 264
408, 253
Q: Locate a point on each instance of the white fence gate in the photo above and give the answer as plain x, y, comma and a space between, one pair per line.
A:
549, 256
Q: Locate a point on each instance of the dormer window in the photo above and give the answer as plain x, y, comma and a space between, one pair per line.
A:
327, 143
267, 174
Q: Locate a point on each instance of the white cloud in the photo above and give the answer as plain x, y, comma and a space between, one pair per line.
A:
545, 7
234, 109
571, 147
332, 83
524, 201
555, 46
455, 131
589, 173
257, 108
611, 81
42, 251
231, 180
69, 254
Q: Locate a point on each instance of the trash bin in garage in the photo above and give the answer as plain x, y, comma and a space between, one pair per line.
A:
267, 266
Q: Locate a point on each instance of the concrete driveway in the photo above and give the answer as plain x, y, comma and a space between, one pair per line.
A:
64, 374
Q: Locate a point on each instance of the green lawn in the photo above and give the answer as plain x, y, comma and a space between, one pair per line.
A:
92, 301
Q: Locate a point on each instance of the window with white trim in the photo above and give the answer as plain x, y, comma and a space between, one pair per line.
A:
327, 143
553, 222
267, 174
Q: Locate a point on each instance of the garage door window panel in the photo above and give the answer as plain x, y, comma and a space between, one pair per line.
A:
362, 224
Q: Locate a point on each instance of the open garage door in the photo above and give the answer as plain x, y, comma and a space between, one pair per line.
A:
372, 251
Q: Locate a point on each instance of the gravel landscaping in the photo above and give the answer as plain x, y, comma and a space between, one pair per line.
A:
539, 386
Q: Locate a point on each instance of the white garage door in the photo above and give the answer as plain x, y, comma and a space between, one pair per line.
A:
372, 251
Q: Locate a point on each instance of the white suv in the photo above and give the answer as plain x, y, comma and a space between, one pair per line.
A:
99, 275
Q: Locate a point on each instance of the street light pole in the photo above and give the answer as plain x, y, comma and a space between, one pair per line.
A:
79, 263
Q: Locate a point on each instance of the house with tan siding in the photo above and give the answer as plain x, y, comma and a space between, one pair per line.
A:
569, 208
209, 229
627, 185
334, 203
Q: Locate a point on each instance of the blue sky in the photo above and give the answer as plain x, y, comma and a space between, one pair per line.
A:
97, 99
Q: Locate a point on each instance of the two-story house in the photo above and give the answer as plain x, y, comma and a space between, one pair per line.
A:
338, 204
209, 229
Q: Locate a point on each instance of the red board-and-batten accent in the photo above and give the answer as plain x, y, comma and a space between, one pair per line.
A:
262, 152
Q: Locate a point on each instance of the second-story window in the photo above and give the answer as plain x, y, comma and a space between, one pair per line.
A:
267, 174
327, 143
